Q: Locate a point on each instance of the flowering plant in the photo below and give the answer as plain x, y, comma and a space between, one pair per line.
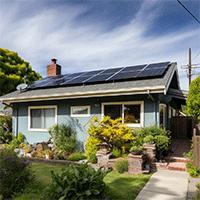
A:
15, 173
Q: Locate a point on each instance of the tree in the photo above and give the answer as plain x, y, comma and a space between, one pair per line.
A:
193, 99
12, 71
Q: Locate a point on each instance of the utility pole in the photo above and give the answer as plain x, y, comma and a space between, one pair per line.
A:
190, 67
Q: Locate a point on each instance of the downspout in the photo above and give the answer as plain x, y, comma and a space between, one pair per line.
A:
151, 97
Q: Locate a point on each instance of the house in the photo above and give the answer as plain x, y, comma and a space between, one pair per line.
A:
142, 95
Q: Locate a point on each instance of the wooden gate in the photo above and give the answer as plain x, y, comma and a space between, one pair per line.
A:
182, 127
196, 146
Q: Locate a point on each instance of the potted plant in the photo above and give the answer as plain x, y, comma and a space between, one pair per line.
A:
136, 150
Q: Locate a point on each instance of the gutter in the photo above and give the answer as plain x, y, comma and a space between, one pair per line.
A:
100, 93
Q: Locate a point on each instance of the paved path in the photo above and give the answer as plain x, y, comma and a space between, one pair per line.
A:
165, 185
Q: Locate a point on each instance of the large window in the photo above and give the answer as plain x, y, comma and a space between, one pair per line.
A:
131, 112
41, 118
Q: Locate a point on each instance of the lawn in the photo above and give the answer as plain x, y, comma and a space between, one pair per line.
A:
119, 186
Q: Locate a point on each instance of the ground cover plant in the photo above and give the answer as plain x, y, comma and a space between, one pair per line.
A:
118, 186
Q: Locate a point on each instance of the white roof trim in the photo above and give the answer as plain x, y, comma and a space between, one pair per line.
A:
156, 89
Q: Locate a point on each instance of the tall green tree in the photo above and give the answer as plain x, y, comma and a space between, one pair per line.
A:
193, 99
12, 71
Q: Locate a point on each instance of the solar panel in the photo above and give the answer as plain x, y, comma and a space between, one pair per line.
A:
84, 77
158, 65
103, 75
152, 72
128, 72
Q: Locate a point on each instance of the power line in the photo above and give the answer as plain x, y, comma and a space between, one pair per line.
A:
189, 12
196, 56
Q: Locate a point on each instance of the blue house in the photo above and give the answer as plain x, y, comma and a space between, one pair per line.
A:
142, 95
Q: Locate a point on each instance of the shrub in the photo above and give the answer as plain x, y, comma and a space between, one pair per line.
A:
121, 165
92, 146
15, 143
117, 152
5, 129
198, 191
76, 156
64, 137
192, 170
15, 173
110, 131
154, 134
92, 158
76, 182
136, 148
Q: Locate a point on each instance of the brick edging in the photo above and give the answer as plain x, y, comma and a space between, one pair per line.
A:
53, 161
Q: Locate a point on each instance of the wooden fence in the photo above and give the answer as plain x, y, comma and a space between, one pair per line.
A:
196, 146
182, 127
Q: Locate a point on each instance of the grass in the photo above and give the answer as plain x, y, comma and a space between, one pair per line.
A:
119, 186
124, 186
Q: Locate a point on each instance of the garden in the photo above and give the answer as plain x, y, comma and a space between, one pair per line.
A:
76, 181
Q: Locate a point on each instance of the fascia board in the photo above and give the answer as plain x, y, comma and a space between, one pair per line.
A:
132, 91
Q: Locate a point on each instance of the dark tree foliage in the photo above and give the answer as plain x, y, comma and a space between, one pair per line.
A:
193, 98
12, 71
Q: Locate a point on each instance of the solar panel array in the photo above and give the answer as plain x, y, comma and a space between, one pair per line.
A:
104, 75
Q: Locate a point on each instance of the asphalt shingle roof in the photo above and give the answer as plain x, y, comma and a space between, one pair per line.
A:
105, 88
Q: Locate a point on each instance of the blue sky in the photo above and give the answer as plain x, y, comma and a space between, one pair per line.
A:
87, 35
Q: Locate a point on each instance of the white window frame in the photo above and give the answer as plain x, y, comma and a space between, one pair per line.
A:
80, 115
39, 107
141, 103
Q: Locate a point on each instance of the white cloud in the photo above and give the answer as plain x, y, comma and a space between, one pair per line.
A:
78, 47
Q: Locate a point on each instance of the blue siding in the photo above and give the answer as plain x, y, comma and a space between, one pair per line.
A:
80, 124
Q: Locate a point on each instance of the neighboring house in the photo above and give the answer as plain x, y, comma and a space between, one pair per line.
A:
7, 111
142, 95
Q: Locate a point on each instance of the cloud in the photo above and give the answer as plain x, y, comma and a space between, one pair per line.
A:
55, 32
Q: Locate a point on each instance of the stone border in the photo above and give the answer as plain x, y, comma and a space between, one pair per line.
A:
53, 161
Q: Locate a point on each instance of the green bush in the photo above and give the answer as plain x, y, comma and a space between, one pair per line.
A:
16, 141
76, 182
136, 148
92, 158
198, 191
76, 156
15, 173
117, 152
121, 165
154, 134
192, 170
5, 129
64, 137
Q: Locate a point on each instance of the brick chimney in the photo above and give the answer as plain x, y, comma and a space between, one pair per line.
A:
53, 69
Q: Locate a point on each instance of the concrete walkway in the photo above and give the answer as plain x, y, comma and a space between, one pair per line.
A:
165, 185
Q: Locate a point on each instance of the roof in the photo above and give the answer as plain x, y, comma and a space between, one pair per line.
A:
126, 87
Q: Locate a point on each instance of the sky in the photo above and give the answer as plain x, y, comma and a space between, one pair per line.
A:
95, 34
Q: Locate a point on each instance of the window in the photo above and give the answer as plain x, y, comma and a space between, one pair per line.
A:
163, 117
80, 111
131, 112
42, 117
